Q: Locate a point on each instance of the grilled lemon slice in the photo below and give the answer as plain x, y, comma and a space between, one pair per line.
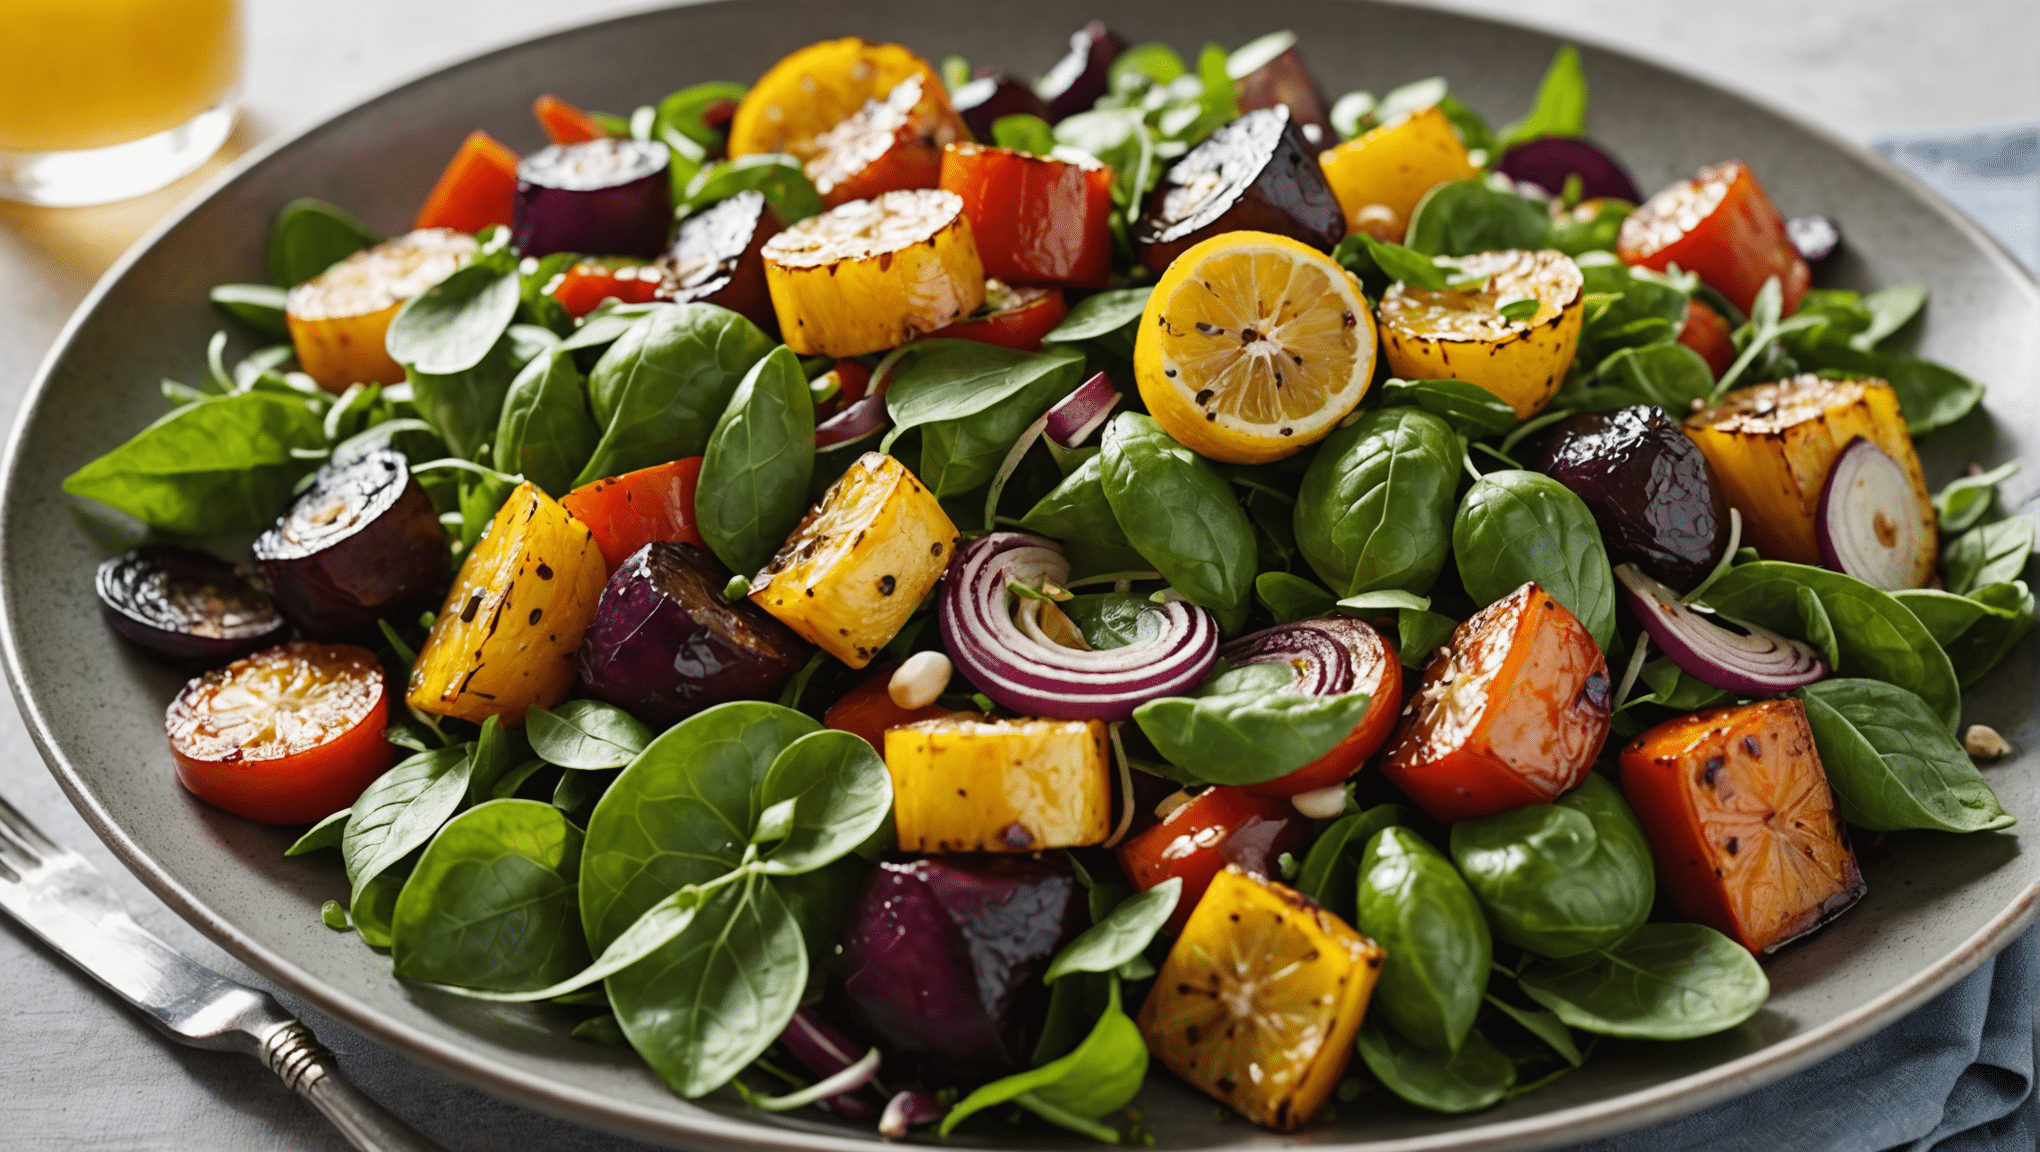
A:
1253, 347
1467, 335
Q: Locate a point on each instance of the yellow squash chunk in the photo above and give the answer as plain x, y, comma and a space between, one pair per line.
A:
507, 636
1453, 335
1259, 1000
1772, 446
1380, 174
338, 318
860, 562
817, 88
873, 274
967, 785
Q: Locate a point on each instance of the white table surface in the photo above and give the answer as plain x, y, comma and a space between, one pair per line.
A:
78, 1072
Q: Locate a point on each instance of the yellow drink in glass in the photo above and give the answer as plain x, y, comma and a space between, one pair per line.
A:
83, 78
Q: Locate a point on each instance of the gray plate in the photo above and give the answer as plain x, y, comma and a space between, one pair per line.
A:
1938, 905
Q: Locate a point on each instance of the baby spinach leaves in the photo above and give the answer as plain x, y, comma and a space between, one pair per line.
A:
450, 326
1107, 314
1968, 499
1893, 763
1414, 903
1121, 937
1662, 982
1331, 870
971, 401
1470, 408
1461, 217
1561, 105
545, 432
778, 178
754, 479
1520, 526
310, 236
585, 734
659, 390
1564, 878
1178, 512
1992, 553
224, 464
259, 306
1102, 1075
396, 815
1477, 1076
1289, 598
1244, 726
1375, 507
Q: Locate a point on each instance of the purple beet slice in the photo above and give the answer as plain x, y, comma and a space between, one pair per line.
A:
363, 542
188, 606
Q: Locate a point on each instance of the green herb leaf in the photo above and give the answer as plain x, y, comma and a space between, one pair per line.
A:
1102, 1075
1405, 264
325, 834
396, 815
780, 179
1113, 619
1664, 982
1024, 133
1546, 1026
310, 236
1561, 105
1893, 763
1967, 499
1290, 598
585, 734
1414, 904
1468, 407
971, 401
841, 796
1076, 509
1421, 633
545, 432
1375, 508
1121, 936
220, 465
1889, 310
1331, 870
754, 479
1100, 315
1461, 217
1990, 554
450, 326
1247, 724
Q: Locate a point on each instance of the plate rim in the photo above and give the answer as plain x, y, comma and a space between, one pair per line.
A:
1589, 1120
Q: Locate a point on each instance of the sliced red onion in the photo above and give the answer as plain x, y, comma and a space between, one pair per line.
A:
857, 420
826, 1052
1018, 666
1869, 519
1329, 655
1728, 654
907, 1111
1082, 412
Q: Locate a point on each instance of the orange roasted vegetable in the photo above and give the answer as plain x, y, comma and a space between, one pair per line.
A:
968, 784
1773, 445
811, 91
1465, 336
506, 637
888, 144
868, 711
1721, 225
1380, 174
860, 562
338, 318
564, 123
478, 188
1744, 827
1037, 219
873, 274
1012, 317
1260, 999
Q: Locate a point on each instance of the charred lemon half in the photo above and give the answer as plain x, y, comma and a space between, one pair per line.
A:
873, 274
1486, 335
813, 90
1253, 347
1259, 1000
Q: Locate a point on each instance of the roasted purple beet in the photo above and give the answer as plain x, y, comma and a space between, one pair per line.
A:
188, 605
363, 542
1547, 161
1254, 174
1285, 81
716, 259
1651, 491
1083, 75
1816, 237
990, 95
940, 961
604, 197
665, 644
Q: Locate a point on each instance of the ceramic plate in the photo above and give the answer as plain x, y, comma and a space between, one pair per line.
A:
1938, 904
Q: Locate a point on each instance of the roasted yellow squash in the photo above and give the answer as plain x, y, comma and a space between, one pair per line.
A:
962, 784
1467, 336
1380, 174
338, 318
873, 274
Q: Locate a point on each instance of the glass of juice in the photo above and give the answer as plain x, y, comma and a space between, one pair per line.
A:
101, 100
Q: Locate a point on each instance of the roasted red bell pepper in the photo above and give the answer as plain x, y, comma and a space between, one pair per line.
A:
630, 511
1707, 333
563, 122
1011, 317
1721, 225
587, 283
1036, 220
478, 188
1217, 827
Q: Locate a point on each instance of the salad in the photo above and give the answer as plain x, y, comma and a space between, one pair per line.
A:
906, 592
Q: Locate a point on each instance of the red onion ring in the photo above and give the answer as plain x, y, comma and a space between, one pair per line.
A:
1325, 654
1728, 654
1021, 668
1867, 496
1082, 412
861, 418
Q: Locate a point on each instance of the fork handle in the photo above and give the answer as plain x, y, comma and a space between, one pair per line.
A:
308, 1067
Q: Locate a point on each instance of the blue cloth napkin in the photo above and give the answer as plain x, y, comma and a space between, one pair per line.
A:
1958, 1074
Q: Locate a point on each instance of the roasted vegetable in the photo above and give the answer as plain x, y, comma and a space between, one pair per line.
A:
604, 196
363, 542
1742, 822
1083, 74
664, 643
506, 637
1255, 175
1015, 318
564, 123
630, 511
1511, 712
868, 710
1652, 493
1705, 332
811, 91
1721, 225
1466, 335
874, 274
891, 143
1284, 81
478, 188
1217, 828
187, 605
1259, 1000
1037, 220
972, 785
1380, 175
940, 959
1773, 446
286, 736
586, 284
992, 94
861, 562
338, 318
717, 258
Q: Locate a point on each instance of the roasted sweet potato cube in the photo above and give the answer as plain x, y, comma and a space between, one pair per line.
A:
964, 784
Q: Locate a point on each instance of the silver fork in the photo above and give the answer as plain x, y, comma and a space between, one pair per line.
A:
63, 899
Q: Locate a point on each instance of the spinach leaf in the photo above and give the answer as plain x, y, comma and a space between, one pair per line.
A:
1968, 499
1875, 634
1178, 512
1385, 600
1990, 639
1664, 982
1330, 873
712, 1000
1113, 619
499, 749
1561, 105
1944, 614
219, 465
1375, 507
535, 305
1478, 1076
1674, 688
1520, 526
545, 432
492, 902
1101, 315
1121, 936
1024, 133
310, 236
1121, 139
1420, 633
1470, 408
396, 815
325, 834
658, 391
1291, 598
259, 306
754, 479
1245, 725
585, 734
450, 326
1400, 264
1076, 509
1931, 395
1988, 554
1670, 376
841, 795
1893, 763
779, 178
608, 322
1546, 1026
684, 112
1889, 309
971, 401
1414, 904
1461, 217
465, 408
1102, 1075
1591, 226
1564, 878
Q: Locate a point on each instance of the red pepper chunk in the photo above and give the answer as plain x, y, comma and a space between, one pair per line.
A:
1014, 318
1720, 225
1036, 220
589, 282
564, 123
1707, 333
1510, 713
630, 511
478, 188
1219, 826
